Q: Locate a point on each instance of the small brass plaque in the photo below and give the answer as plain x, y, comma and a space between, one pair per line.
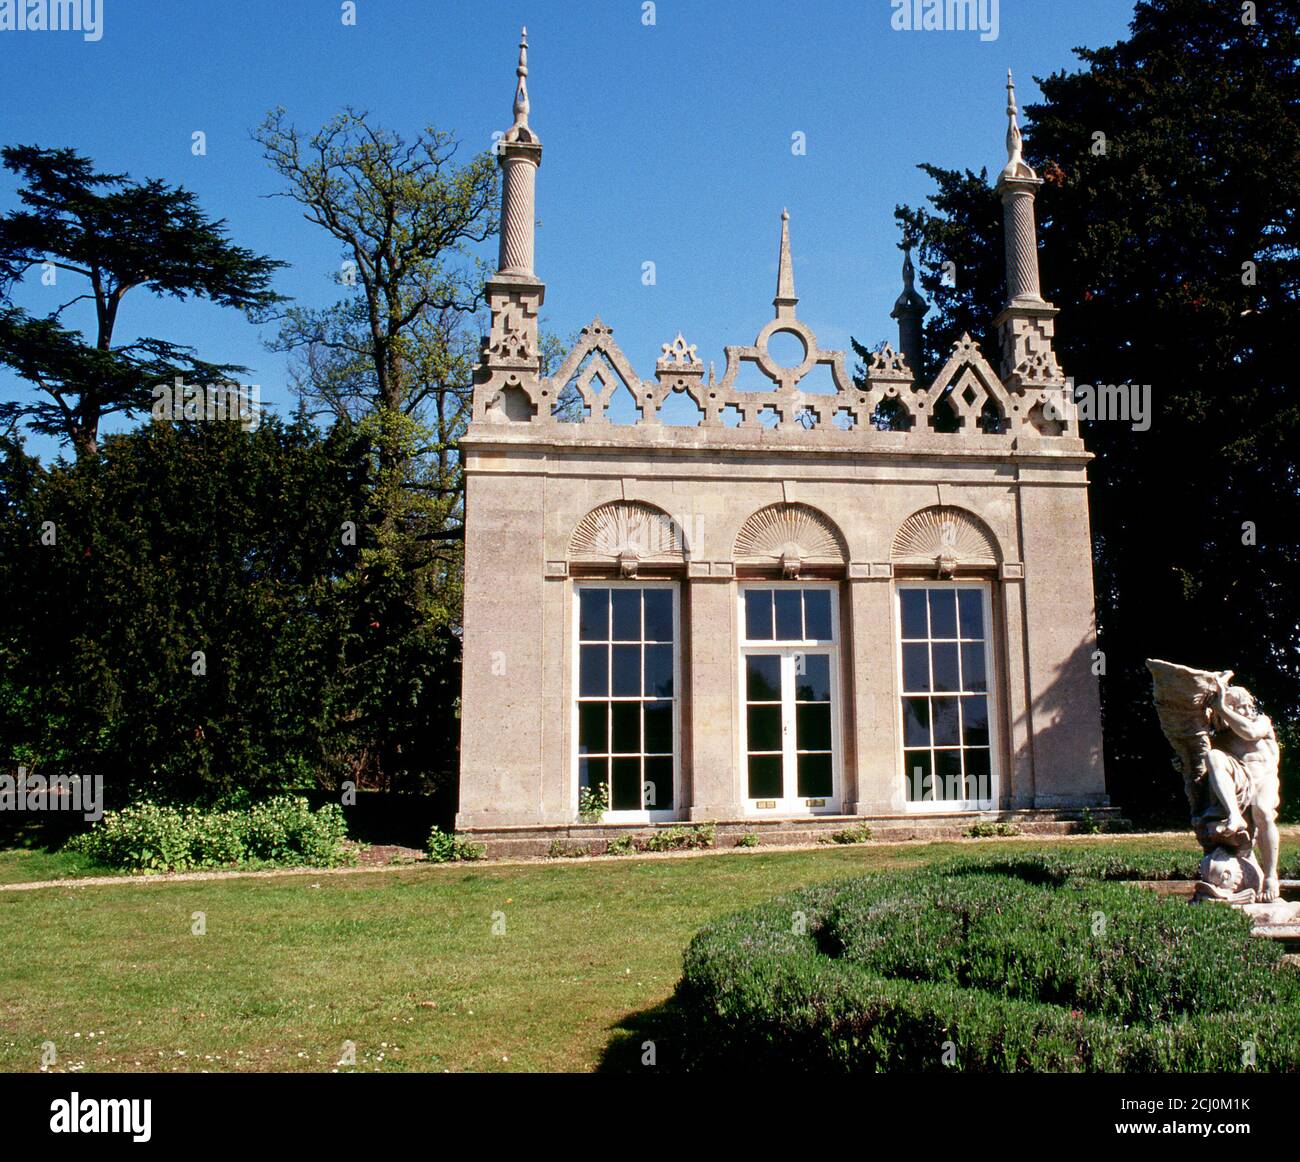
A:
814, 802
769, 804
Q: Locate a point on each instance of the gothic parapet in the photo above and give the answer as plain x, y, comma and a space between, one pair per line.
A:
811, 398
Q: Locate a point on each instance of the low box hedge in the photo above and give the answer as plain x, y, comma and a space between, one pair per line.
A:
1034, 962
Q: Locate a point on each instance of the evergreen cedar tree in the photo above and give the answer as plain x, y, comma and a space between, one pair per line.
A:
111, 235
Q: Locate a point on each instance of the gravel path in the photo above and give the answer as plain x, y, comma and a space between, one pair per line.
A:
187, 877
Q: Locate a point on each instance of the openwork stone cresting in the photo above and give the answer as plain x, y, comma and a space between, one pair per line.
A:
966, 403
512, 390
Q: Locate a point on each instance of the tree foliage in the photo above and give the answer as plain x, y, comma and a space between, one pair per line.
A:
182, 610
394, 357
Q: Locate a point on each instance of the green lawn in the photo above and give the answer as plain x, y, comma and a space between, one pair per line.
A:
25, 865
403, 963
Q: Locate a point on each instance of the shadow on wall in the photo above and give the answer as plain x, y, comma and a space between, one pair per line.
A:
1055, 713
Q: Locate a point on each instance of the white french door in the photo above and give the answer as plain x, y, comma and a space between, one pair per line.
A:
790, 693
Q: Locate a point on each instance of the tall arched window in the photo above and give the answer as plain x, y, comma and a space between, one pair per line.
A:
626, 557
945, 562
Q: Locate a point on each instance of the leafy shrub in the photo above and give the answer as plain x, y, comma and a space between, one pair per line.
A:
986, 829
286, 830
1089, 824
700, 835
448, 847
283, 831
221, 840
593, 802
1032, 964
684, 838
749, 839
858, 833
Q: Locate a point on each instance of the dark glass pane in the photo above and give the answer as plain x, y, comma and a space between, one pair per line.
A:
627, 671
658, 792
764, 728
975, 721
979, 784
625, 737
917, 776
973, 677
626, 605
789, 614
592, 772
817, 614
916, 667
814, 684
765, 777
593, 671
763, 678
947, 775
943, 613
815, 776
943, 659
970, 604
593, 727
625, 794
916, 722
758, 615
593, 618
658, 728
658, 671
658, 615
912, 609
944, 721
813, 726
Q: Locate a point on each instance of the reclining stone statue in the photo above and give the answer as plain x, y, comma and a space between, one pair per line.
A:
1228, 755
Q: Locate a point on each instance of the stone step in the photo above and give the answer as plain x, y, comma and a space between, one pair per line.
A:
578, 839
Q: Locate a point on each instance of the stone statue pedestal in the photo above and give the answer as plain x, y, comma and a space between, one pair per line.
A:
1280, 919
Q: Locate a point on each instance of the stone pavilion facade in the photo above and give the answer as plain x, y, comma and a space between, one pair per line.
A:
832, 598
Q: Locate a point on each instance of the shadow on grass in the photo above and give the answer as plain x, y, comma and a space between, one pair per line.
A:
650, 1040
46, 831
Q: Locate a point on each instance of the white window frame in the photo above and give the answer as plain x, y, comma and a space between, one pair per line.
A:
796, 805
993, 694
610, 816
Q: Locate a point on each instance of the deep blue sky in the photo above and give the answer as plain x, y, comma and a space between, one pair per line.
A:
668, 143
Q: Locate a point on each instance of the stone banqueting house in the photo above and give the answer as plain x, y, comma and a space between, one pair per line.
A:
868, 599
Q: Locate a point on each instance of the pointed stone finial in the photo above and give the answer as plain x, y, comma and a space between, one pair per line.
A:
910, 309
909, 300
519, 154
1024, 324
785, 297
1015, 167
521, 89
